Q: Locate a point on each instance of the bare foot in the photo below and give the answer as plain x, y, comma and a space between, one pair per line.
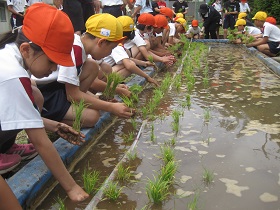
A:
77, 194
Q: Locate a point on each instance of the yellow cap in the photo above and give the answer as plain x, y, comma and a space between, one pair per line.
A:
260, 16
127, 23
242, 15
181, 20
240, 22
105, 26
179, 15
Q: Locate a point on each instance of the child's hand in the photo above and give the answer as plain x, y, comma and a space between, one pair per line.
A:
123, 91
148, 63
121, 110
153, 81
69, 134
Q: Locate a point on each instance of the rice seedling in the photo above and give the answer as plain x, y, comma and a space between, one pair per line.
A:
208, 176
131, 155
175, 127
144, 111
128, 137
128, 101
173, 141
78, 108
167, 154
113, 79
193, 204
205, 82
207, 115
153, 133
177, 82
123, 173
133, 123
157, 190
188, 99
135, 88
90, 179
112, 191
60, 202
151, 59
168, 171
176, 115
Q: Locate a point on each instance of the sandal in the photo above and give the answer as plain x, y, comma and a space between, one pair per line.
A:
26, 151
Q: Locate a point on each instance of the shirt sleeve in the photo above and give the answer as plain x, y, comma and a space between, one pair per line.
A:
118, 54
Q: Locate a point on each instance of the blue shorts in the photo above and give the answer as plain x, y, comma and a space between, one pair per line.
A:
274, 47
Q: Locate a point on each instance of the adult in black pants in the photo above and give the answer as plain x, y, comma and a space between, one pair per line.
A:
113, 7
211, 19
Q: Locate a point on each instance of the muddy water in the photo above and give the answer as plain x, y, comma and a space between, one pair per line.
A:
239, 143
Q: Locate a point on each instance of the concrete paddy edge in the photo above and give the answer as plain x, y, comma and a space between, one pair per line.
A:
33, 177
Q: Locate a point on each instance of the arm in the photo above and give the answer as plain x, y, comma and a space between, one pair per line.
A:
74, 93
136, 10
11, 9
258, 42
51, 158
130, 66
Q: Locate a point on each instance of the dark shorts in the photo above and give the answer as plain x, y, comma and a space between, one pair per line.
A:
7, 139
56, 104
116, 10
274, 47
16, 20
229, 22
73, 9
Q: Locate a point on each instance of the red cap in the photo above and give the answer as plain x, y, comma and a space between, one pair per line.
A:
146, 19
271, 20
166, 11
243, 0
160, 21
195, 23
55, 35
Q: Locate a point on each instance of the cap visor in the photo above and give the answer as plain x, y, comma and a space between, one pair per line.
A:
166, 27
59, 58
119, 40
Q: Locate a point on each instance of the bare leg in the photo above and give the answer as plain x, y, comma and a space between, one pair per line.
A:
8, 200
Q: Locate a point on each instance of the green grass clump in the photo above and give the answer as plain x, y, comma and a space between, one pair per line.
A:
167, 154
90, 179
113, 79
157, 190
128, 137
123, 173
168, 171
78, 108
193, 205
208, 176
61, 205
131, 155
112, 191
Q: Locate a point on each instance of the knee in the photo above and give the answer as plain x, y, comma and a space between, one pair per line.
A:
91, 118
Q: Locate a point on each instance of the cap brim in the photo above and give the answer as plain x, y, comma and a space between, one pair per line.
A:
59, 58
119, 40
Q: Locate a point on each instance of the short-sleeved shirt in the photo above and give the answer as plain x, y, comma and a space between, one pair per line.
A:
272, 32
193, 31
145, 8
180, 7
252, 30
117, 55
138, 40
172, 29
17, 106
217, 7
244, 7
232, 6
111, 2
18, 5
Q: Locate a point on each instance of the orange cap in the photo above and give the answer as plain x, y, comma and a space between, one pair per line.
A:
271, 20
160, 21
166, 11
146, 19
195, 23
55, 35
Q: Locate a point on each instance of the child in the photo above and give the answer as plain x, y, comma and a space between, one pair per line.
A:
139, 47
103, 33
180, 6
194, 32
269, 44
119, 59
271, 20
37, 50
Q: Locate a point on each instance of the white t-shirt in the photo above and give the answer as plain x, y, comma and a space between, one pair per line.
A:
193, 31
244, 7
252, 30
144, 8
18, 5
17, 106
217, 7
271, 31
172, 29
111, 2
138, 40
66, 74
117, 55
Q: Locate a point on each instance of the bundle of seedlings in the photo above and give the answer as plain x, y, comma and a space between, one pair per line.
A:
113, 80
